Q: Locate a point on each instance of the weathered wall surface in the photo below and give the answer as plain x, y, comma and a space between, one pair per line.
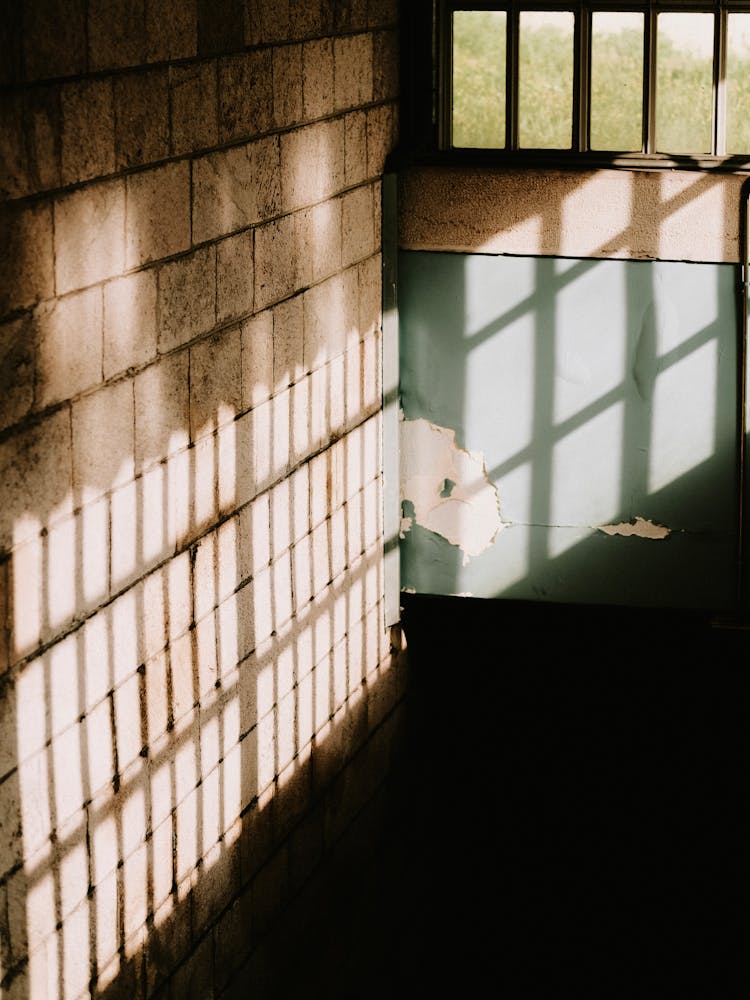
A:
198, 695
569, 340
639, 215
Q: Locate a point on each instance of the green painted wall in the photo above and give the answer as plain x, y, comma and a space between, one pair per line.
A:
596, 392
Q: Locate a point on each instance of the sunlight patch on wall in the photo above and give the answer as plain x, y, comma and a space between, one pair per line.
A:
586, 475
683, 429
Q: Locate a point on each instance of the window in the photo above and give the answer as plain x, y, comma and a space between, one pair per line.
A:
662, 82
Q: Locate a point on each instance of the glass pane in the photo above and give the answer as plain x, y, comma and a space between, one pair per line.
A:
545, 97
738, 83
479, 78
616, 81
684, 82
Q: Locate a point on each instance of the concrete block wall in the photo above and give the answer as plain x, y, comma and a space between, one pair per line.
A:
199, 696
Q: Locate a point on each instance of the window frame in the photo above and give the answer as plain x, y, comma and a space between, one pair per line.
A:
427, 62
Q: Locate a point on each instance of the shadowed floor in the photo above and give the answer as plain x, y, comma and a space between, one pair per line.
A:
571, 809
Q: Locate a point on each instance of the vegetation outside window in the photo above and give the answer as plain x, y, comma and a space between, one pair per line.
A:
667, 81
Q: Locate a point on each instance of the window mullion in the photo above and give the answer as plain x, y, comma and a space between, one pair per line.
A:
649, 80
720, 77
582, 84
511, 86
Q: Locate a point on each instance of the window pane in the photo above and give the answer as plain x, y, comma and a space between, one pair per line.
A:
684, 82
545, 98
479, 78
738, 83
616, 81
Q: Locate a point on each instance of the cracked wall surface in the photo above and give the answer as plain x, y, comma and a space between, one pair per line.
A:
598, 397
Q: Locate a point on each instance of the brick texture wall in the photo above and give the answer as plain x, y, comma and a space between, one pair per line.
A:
198, 693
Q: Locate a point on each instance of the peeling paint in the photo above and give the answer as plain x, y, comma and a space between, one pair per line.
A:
445, 488
638, 527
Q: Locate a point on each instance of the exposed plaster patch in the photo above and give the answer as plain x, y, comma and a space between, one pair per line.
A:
639, 527
445, 488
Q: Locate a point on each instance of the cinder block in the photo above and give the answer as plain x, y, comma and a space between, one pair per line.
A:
352, 59
232, 940
43, 132
377, 202
321, 557
76, 936
69, 334
93, 530
89, 235
129, 322
142, 117
158, 216
276, 261
26, 260
103, 440
370, 295
302, 574
317, 78
161, 410
308, 20
18, 372
162, 862
187, 852
206, 658
4, 620
27, 614
187, 298
158, 709
182, 666
267, 21
325, 239
196, 977
129, 735
14, 167
385, 75
88, 130
299, 418
355, 147
233, 472
202, 483
73, 874
29, 141
215, 382
235, 188
281, 517
193, 106
205, 572
255, 536
125, 518
320, 424
381, 137
353, 384
357, 225
287, 85
330, 317
35, 479
135, 878
116, 33
234, 276
54, 38
336, 394
288, 364
312, 164
171, 30
245, 95
100, 763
